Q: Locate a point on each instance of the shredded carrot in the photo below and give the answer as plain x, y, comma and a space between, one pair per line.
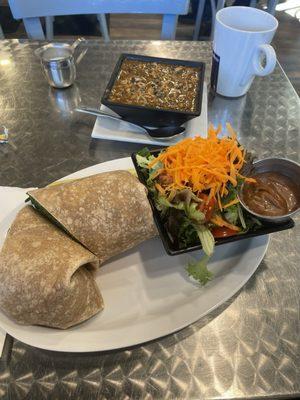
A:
156, 173
204, 164
219, 201
247, 178
160, 188
217, 220
250, 180
231, 203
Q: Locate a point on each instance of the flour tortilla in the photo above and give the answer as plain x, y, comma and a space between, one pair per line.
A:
108, 213
46, 278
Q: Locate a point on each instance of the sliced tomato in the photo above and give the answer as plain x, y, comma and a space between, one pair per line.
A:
207, 209
222, 231
164, 179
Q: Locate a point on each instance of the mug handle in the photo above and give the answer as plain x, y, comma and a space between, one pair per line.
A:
257, 68
270, 60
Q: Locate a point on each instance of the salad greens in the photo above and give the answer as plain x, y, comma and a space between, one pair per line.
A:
190, 218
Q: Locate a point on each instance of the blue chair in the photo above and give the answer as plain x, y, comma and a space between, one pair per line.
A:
31, 11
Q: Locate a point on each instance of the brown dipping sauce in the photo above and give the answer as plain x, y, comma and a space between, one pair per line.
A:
273, 194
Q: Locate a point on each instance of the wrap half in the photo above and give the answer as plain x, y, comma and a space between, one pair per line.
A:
108, 213
46, 277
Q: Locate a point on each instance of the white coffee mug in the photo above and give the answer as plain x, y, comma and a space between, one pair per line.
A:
241, 49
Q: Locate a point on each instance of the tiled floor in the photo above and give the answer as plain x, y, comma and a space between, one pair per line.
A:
286, 41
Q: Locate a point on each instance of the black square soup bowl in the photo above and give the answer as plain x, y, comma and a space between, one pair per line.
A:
149, 116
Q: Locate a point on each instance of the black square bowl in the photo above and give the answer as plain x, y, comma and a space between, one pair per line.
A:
153, 116
173, 249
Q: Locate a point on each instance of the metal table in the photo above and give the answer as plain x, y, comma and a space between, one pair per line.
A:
248, 347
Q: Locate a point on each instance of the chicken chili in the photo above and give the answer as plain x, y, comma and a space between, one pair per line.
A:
156, 85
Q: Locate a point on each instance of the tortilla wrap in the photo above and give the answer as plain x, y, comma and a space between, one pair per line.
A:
46, 277
108, 213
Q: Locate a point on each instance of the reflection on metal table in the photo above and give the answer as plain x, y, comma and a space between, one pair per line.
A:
248, 347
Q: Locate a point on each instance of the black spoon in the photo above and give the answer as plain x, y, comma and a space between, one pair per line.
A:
164, 133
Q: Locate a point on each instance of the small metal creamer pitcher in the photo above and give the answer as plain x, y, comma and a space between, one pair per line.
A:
58, 63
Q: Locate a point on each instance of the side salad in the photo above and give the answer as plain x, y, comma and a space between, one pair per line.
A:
194, 185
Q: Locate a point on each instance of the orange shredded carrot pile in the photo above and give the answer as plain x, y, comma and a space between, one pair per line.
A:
203, 163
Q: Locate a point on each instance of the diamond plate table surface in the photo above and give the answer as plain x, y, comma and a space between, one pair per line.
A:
248, 347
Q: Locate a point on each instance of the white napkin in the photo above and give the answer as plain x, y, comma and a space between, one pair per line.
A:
11, 197
109, 129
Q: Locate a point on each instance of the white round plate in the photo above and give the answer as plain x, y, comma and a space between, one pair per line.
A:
147, 294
